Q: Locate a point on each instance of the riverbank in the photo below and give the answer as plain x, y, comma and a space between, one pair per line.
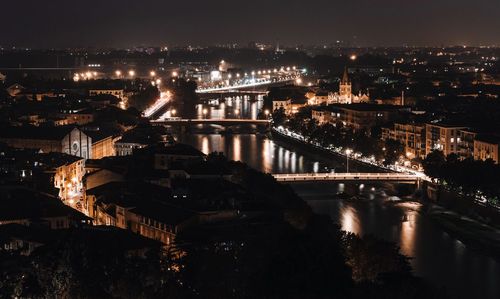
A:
354, 164
435, 254
474, 234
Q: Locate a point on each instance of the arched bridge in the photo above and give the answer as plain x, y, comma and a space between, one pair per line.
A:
342, 177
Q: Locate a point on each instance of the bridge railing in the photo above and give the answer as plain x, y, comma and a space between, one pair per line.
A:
210, 120
344, 176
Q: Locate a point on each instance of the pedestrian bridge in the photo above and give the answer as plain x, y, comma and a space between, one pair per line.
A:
342, 177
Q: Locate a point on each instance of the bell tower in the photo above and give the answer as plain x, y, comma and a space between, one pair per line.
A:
345, 89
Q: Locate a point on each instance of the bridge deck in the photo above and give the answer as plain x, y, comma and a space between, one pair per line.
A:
309, 177
212, 121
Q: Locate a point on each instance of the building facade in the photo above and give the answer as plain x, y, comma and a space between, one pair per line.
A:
357, 116
68, 140
443, 137
412, 136
486, 147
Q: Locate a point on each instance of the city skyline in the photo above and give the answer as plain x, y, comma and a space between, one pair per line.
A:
362, 23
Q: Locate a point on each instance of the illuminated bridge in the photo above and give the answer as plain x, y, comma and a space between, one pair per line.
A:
208, 121
343, 177
246, 84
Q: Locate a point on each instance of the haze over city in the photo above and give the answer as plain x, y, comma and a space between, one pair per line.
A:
124, 23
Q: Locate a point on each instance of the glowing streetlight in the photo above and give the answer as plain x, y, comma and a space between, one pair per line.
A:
173, 112
347, 153
118, 73
205, 111
175, 74
158, 81
353, 57
266, 112
236, 112
152, 74
131, 73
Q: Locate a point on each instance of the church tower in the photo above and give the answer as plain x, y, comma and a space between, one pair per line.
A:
345, 90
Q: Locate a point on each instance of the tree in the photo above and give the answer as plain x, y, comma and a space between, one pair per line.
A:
279, 116
145, 97
393, 151
370, 257
433, 164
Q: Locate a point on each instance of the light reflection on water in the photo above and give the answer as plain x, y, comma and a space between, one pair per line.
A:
257, 151
231, 107
436, 256
349, 220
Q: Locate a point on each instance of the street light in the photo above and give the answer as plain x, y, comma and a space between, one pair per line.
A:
173, 112
347, 153
118, 73
152, 74
266, 112
236, 112
205, 111
131, 73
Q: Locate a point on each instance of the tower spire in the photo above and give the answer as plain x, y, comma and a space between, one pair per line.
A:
345, 77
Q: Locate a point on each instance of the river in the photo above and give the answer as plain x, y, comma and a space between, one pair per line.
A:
435, 255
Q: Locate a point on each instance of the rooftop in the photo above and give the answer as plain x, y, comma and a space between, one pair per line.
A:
33, 132
22, 203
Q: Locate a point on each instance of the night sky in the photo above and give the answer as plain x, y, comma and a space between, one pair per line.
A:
124, 23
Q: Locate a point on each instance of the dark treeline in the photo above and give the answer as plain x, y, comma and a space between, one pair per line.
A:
339, 135
288, 253
473, 177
